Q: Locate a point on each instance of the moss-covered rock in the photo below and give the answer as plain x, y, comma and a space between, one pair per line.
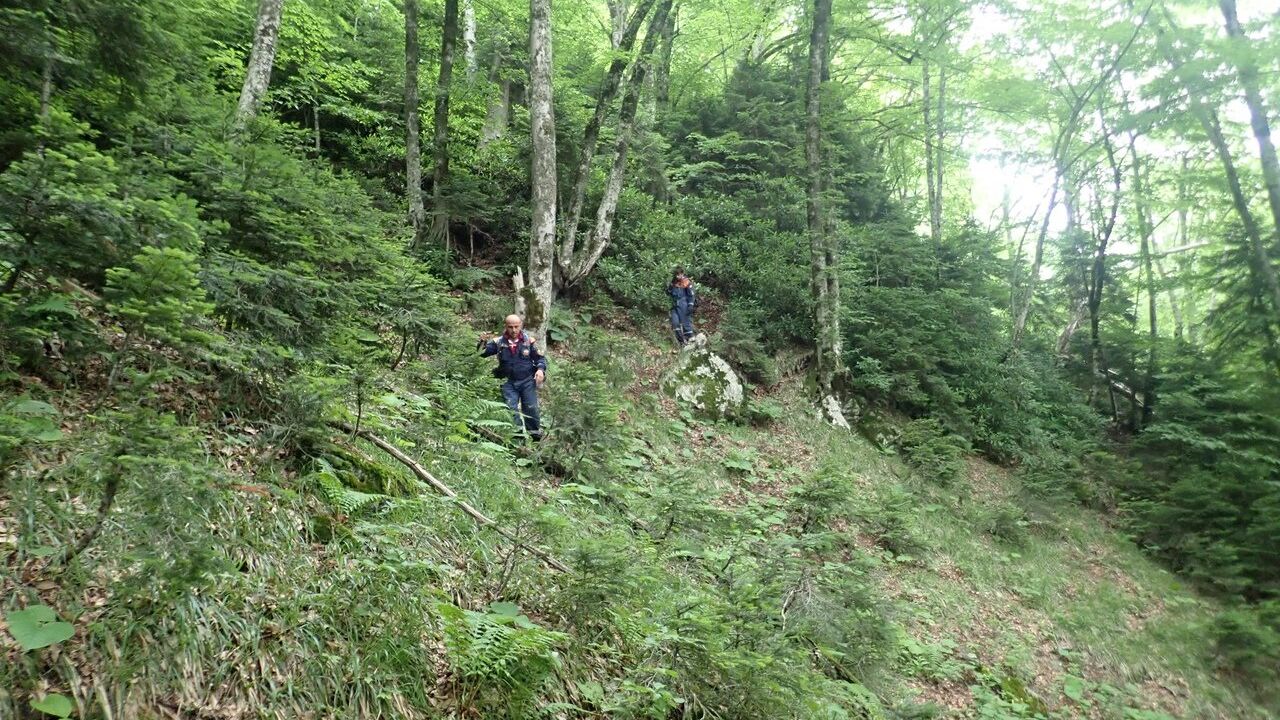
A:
704, 382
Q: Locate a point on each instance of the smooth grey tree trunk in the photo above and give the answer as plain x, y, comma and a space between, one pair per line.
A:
823, 260
926, 97
257, 77
591, 137
440, 138
413, 141
537, 294
1146, 230
940, 133
1247, 70
598, 240
617, 22
498, 114
469, 38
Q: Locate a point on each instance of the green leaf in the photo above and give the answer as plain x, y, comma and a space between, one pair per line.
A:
49, 435
1073, 687
504, 608
38, 626
54, 704
32, 407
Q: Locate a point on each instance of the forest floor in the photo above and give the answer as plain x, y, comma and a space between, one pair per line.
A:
997, 605
1054, 596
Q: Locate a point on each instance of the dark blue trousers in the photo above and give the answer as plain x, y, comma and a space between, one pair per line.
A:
522, 398
682, 322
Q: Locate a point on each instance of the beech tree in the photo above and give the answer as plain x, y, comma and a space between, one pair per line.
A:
440, 143
257, 77
413, 140
534, 296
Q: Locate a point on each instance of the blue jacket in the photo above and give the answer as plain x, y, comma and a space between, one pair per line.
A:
518, 362
682, 296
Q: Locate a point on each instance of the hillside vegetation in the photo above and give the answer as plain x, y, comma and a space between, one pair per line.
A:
1000, 281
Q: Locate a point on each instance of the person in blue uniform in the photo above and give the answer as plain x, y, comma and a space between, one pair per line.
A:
683, 300
523, 368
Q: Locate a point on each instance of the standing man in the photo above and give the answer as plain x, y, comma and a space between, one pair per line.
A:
683, 301
524, 369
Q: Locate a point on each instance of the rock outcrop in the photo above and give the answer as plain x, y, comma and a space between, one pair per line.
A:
704, 381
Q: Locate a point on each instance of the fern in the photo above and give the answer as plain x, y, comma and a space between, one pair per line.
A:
500, 650
344, 499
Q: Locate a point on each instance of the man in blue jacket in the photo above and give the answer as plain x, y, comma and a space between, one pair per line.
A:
683, 301
524, 368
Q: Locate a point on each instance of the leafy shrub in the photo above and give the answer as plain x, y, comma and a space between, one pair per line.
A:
1003, 520
762, 412
1247, 642
741, 340
823, 496
890, 518
933, 451
586, 429
160, 296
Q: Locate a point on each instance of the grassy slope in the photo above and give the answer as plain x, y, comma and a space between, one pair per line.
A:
325, 613
1062, 599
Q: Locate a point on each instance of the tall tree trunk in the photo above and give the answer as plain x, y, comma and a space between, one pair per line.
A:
617, 22
1175, 305
591, 136
1145, 230
823, 269
499, 112
658, 186
597, 241
413, 141
537, 295
1247, 69
1022, 303
1209, 122
440, 140
935, 206
662, 74
469, 38
1104, 227
926, 92
257, 77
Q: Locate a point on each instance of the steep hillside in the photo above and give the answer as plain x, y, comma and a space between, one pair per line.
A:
772, 568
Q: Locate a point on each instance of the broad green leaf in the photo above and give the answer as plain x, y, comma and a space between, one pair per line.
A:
1073, 687
38, 626
28, 406
504, 608
54, 704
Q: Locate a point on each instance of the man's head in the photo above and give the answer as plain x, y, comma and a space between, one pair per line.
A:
514, 324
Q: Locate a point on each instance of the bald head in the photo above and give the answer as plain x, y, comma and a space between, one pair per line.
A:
514, 324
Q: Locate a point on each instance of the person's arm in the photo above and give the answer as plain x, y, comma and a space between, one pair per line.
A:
539, 363
490, 348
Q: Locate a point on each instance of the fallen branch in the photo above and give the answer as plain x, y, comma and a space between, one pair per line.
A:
556, 468
448, 492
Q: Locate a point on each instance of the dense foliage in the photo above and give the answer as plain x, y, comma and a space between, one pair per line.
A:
202, 307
